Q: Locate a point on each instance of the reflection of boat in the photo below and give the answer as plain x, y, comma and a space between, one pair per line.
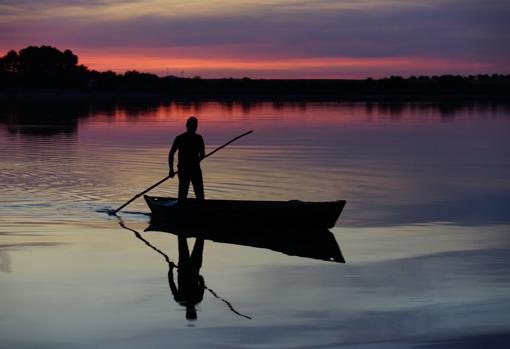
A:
238, 213
316, 243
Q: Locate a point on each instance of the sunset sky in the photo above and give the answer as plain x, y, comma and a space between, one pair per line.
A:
269, 38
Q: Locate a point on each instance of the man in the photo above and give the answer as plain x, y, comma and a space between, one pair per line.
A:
191, 151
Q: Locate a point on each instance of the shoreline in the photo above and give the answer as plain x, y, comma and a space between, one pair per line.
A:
48, 94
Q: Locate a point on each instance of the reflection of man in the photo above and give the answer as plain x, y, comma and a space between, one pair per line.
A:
191, 286
191, 151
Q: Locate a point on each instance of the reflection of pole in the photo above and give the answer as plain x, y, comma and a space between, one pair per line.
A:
227, 303
139, 236
171, 263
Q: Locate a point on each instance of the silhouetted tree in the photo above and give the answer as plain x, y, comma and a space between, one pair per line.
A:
10, 62
46, 60
43, 66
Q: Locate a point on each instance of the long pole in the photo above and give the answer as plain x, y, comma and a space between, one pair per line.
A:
168, 177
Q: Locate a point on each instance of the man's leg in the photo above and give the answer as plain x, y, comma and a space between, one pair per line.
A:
198, 183
184, 180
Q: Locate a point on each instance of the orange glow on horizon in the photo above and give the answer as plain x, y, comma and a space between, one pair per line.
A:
220, 67
216, 65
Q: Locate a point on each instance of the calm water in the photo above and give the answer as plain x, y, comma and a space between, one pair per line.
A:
425, 231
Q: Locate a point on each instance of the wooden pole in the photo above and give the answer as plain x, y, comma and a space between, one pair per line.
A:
168, 177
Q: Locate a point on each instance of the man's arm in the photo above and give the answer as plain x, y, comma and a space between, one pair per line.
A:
171, 154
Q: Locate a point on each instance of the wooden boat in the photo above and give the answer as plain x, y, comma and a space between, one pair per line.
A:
241, 213
316, 243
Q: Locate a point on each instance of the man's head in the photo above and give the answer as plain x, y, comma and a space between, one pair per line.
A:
192, 124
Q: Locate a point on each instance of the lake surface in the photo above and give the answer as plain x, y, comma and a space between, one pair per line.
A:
425, 232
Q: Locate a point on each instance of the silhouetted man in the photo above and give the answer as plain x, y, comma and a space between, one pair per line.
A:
191, 151
190, 289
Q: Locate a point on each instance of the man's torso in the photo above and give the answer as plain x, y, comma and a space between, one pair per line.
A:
190, 145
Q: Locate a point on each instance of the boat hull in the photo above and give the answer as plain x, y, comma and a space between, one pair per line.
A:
240, 213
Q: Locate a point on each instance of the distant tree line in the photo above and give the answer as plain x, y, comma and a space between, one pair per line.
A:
46, 67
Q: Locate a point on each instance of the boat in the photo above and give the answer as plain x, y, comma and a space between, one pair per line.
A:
315, 243
242, 213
